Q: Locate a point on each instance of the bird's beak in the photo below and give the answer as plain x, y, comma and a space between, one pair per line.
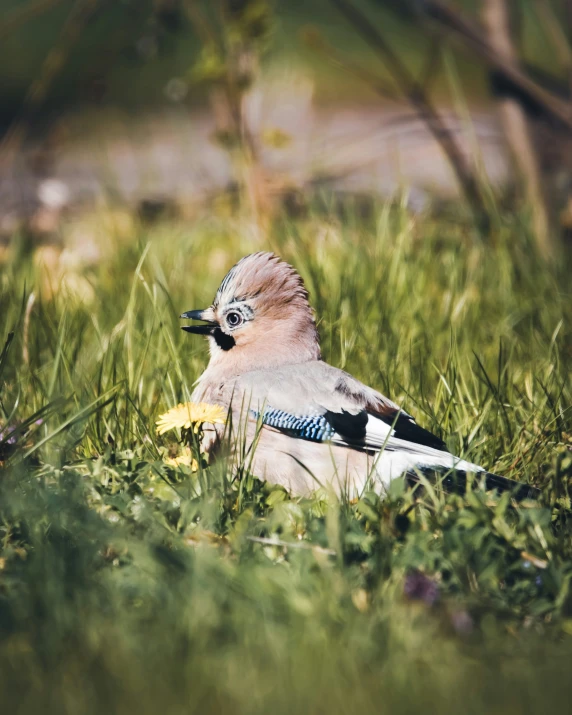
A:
204, 315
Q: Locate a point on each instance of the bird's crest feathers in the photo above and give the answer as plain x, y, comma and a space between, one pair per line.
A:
266, 279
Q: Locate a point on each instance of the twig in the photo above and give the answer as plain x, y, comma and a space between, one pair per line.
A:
473, 37
534, 560
496, 20
206, 33
25, 330
293, 545
417, 96
228, 98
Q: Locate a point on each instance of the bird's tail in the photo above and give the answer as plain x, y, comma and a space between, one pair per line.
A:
456, 482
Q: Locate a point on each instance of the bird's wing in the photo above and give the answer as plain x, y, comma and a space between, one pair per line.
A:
318, 402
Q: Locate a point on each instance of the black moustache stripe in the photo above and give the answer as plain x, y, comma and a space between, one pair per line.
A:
224, 341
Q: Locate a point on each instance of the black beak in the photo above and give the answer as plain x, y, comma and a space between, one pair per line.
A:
206, 329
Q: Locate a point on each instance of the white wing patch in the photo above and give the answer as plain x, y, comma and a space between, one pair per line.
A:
377, 433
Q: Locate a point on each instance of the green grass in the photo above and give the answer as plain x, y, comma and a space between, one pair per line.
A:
126, 586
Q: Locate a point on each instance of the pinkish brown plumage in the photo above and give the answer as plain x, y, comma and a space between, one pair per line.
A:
263, 287
313, 423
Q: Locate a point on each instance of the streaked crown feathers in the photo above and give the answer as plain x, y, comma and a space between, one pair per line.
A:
266, 279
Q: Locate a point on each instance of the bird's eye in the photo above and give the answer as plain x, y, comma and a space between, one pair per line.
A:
234, 319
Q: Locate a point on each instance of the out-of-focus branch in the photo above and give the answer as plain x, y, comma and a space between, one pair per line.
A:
55, 60
201, 24
416, 95
496, 20
231, 34
314, 40
557, 35
474, 38
432, 63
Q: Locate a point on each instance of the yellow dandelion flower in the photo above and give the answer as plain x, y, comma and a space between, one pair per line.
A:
191, 414
185, 459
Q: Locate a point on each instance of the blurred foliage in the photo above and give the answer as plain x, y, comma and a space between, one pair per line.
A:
128, 584
132, 49
245, 24
233, 44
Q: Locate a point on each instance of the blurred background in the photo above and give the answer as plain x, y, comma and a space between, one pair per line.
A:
170, 108
412, 159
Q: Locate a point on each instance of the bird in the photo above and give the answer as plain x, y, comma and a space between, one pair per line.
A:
302, 423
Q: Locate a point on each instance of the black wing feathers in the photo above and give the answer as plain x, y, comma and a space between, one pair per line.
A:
351, 427
404, 425
406, 428
456, 482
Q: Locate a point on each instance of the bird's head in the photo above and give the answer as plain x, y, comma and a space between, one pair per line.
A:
260, 317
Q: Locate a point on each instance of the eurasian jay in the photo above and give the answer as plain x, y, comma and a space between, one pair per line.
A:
304, 422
